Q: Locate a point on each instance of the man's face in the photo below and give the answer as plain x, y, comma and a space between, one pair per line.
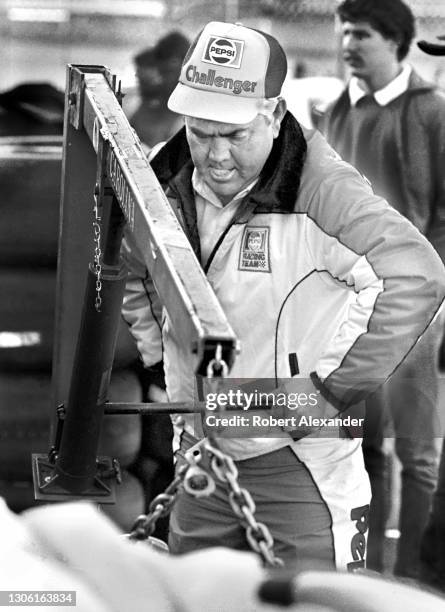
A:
254, 242
366, 51
230, 156
170, 70
150, 81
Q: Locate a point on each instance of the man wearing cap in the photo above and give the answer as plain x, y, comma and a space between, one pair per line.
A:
390, 124
325, 285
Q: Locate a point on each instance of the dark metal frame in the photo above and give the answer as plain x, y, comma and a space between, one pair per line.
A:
104, 165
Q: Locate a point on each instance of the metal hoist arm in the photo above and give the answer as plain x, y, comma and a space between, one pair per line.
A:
107, 184
196, 314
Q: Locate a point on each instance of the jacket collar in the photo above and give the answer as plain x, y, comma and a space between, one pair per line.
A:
279, 181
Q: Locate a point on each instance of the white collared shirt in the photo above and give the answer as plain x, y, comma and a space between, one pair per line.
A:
383, 96
212, 215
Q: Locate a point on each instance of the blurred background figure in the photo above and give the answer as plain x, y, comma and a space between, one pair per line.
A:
390, 124
432, 552
300, 70
157, 70
308, 97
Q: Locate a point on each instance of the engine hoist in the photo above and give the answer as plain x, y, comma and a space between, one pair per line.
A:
107, 185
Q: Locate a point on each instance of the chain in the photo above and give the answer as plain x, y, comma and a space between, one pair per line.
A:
160, 506
97, 258
258, 535
217, 371
199, 483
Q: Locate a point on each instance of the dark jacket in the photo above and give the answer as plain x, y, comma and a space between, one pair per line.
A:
417, 125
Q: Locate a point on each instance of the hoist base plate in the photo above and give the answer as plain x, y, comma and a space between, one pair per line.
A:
47, 485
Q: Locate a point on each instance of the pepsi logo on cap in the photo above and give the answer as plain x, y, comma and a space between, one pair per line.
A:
223, 51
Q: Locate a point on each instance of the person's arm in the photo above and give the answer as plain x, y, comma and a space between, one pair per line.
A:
435, 123
141, 307
398, 279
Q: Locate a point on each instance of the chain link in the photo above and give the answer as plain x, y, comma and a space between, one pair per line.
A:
161, 505
199, 483
217, 370
258, 535
97, 258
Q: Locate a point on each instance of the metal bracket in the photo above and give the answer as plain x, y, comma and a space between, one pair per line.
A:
48, 485
53, 451
76, 90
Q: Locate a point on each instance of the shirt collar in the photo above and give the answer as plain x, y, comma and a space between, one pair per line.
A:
201, 187
383, 96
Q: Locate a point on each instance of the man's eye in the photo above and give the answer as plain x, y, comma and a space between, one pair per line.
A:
238, 136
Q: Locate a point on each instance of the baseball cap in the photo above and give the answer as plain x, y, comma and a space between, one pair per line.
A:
432, 48
229, 73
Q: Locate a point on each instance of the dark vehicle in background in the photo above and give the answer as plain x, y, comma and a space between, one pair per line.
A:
31, 126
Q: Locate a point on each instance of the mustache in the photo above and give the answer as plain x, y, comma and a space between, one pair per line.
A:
351, 57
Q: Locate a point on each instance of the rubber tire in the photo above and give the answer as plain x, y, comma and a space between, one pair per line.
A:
28, 305
30, 183
25, 417
121, 434
130, 503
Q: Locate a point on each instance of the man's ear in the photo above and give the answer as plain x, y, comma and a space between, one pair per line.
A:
395, 45
277, 117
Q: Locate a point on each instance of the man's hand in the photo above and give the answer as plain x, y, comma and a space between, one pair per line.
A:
312, 413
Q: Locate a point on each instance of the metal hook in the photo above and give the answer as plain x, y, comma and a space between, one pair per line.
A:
217, 367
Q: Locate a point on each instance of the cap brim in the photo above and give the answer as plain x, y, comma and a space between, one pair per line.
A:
431, 48
213, 106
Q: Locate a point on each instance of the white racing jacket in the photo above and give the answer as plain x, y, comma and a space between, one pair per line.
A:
323, 279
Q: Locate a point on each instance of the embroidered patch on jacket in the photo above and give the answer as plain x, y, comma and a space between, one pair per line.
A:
254, 254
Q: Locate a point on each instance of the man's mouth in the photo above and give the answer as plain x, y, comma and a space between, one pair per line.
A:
221, 174
352, 60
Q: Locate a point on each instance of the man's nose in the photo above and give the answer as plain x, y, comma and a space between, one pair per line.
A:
219, 149
349, 42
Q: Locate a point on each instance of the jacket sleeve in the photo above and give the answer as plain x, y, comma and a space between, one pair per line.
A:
141, 307
397, 277
434, 125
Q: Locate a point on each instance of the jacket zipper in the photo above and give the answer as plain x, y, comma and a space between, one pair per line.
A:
243, 214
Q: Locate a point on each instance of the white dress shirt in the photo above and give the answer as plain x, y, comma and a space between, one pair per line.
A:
212, 215
383, 96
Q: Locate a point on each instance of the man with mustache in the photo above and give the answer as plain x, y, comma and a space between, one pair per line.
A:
390, 124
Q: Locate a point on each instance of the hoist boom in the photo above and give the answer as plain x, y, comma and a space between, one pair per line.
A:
107, 183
